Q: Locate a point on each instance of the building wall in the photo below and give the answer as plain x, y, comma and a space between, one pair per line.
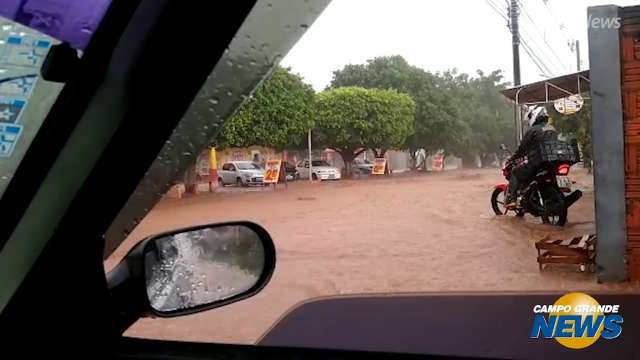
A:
630, 124
608, 145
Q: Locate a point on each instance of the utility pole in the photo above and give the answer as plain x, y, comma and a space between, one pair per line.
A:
578, 54
514, 13
310, 159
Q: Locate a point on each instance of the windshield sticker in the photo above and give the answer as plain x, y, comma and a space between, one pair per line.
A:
18, 85
11, 109
9, 135
24, 51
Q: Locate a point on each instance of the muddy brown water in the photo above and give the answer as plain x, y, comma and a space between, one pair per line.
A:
422, 232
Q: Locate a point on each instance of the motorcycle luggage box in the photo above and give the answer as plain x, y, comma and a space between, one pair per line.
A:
556, 151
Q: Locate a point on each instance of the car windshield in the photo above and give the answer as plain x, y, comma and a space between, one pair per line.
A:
319, 163
28, 30
248, 166
430, 100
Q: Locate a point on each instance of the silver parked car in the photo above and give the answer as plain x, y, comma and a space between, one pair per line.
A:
241, 173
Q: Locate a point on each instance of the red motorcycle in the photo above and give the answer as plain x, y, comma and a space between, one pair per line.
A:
543, 197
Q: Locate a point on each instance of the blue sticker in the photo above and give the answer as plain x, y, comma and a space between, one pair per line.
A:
14, 40
9, 135
42, 44
11, 109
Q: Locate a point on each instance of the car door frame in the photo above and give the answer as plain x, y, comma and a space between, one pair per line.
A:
232, 174
224, 173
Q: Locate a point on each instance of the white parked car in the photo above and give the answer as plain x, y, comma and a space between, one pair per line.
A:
320, 169
241, 173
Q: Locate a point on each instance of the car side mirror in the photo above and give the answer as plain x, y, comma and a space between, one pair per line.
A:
503, 147
60, 64
192, 270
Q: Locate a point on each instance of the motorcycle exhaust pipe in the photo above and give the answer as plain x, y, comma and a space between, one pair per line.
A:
572, 198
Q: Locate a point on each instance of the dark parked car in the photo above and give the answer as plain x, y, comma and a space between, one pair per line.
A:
364, 166
292, 173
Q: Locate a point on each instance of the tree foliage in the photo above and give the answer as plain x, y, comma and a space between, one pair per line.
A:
278, 115
436, 126
352, 119
487, 114
455, 112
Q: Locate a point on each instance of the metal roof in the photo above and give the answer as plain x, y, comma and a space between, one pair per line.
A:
549, 89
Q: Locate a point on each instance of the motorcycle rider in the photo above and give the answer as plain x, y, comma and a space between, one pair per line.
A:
539, 130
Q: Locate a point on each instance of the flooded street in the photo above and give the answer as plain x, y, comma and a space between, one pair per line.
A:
406, 233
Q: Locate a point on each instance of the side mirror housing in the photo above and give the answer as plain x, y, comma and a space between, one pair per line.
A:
192, 270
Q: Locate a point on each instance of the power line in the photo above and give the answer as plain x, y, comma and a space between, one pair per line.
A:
542, 36
537, 61
560, 24
541, 68
533, 45
497, 11
503, 9
540, 64
563, 66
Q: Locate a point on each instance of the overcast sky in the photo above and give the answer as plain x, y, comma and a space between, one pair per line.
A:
443, 34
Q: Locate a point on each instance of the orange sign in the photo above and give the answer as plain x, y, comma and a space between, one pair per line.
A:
272, 171
378, 166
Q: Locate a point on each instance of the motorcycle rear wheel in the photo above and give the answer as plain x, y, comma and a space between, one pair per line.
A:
555, 210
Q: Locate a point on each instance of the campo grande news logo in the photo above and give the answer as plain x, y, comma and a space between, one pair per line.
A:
576, 321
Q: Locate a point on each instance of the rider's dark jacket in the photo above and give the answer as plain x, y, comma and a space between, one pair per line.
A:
532, 139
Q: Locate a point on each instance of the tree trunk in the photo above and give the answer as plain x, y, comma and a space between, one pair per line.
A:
587, 156
387, 169
486, 160
347, 158
423, 164
414, 160
190, 180
469, 161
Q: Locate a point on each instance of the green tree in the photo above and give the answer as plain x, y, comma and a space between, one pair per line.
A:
352, 119
487, 114
278, 115
436, 125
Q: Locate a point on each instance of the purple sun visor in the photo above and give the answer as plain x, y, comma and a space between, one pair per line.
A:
72, 21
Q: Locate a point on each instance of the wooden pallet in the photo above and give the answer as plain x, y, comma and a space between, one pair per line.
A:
579, 251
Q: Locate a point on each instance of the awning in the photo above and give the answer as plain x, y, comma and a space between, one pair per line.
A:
550, 89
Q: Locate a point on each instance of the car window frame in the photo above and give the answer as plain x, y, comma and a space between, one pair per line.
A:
42, 249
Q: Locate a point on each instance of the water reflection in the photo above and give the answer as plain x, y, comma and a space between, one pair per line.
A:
203, 266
